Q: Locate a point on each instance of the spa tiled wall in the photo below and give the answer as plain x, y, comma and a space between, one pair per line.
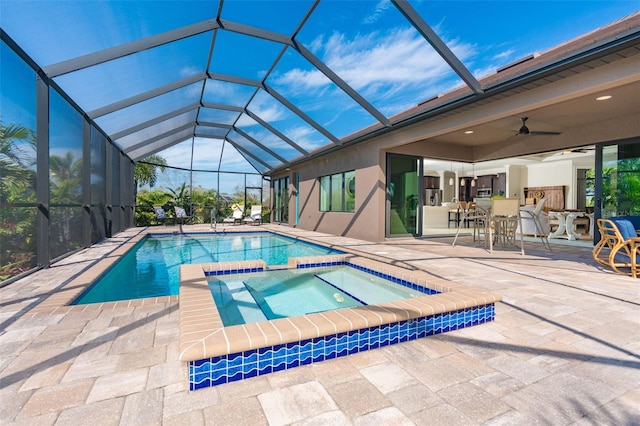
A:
237, 366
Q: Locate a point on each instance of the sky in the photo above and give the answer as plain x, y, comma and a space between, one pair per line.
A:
368, 44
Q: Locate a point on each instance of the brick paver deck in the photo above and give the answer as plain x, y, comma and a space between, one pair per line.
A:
564, 349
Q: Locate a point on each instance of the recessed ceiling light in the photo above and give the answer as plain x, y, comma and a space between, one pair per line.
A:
468, 132
603, 98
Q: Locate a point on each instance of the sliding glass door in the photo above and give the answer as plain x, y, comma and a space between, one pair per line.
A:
620, 180
403, 207
281, 200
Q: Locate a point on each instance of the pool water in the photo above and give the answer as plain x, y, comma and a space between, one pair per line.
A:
254, 297
152, 267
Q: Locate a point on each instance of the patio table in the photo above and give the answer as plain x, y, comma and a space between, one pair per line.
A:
566, 227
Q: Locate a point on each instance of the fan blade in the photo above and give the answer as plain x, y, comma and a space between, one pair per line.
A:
534, 132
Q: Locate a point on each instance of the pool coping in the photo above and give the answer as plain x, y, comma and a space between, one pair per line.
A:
203, 335
59, 301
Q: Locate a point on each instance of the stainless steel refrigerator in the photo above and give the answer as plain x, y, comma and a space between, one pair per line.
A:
433, 197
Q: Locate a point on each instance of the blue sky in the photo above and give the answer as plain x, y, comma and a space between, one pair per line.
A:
368, 44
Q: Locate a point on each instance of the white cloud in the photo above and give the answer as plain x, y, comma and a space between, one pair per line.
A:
178, 155
233, 161
501, 56
304, 136
266, 108
189, 71
219, 88
246, 121
380, 9
310, 79
378, 66
393, 69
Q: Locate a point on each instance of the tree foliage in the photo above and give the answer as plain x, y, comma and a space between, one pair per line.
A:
145, 173
17, 187
17, 151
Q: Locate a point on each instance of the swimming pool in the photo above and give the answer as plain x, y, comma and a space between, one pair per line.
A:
268, 295
152, 267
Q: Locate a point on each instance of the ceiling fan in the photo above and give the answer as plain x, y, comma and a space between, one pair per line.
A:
524, 130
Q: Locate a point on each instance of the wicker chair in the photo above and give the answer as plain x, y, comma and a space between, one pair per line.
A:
619, 247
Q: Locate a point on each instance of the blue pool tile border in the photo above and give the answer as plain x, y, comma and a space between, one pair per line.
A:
233, 271
256, 362
400, 281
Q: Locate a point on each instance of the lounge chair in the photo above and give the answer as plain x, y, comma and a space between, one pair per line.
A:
236, 217
255, 216
181, 215
619, 246
161, 215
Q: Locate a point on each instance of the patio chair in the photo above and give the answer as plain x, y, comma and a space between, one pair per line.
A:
619, 246
476, 215
181, 215
236, 216
255, 216
535, 222
161, 215
503, 221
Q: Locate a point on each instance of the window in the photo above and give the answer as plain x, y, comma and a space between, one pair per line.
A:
338, 192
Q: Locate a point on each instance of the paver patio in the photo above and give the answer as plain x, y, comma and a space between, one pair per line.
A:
564, 349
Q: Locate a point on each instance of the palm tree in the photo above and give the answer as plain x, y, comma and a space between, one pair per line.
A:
145, 171
15, 161
17, 185
66, 195
66, 178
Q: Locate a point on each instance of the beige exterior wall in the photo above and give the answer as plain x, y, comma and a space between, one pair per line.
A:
369, 162
367, 222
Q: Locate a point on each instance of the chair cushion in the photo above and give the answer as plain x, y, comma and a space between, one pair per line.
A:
625, 227
623, 258
635, 220
159, 212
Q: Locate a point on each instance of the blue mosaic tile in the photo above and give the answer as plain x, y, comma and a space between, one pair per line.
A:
279, 364
223, 369
233, 271
306, 358
265, 367
250, 370
319, 264
251, 356
234, 374
219, 380
279, 351
306, 345
292, 361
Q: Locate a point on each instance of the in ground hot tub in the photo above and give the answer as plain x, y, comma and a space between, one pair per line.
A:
218, 354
